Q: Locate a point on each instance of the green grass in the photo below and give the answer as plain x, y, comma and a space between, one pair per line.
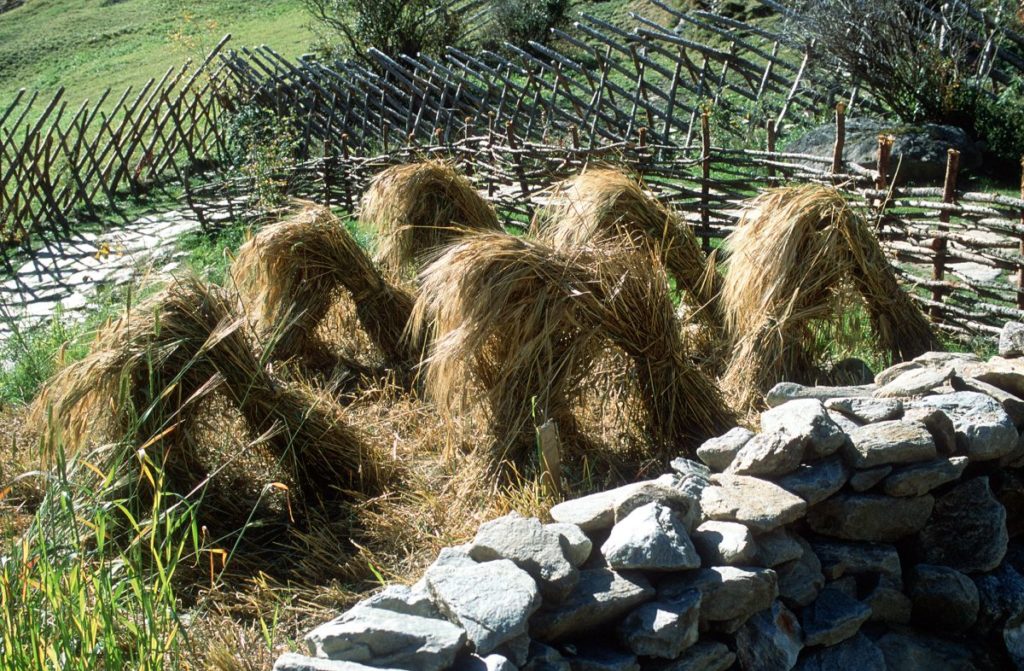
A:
91, 585
89, 45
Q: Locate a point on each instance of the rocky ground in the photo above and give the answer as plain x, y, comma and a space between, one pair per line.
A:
868, 527
68, 275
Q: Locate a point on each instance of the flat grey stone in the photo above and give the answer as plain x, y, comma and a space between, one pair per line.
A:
601, 596
386, 638
577, 545
1011, 339
817, 481
894, 442
769, 454
920, 652
870, 517
532, 547
718, 452
938, 424
759, 504
457, 555
861, 560
921, 478
867, 410
1000, 597
727, 592
1005, 373
601, 657
1012, 405
842, 421
863, 480
857, 653
801, 579
545, 658
492, 662
516, 650
701, 656
415, 600
670, 490
1013, 639
833, 617
943, 598
784, 392
598, 511
652, 538
291, 661
889, 606
967, 531
689, 469
777, 547
915, 382
593, 512
847, 585
769, 640
724, 543
987, 431
664, 628
492, 601
805, 418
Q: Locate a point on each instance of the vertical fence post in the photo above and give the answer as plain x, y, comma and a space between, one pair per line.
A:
328, 171
939, 243
770, 126
882, 178
837, 150
641, 147
705, 182
490, 144
513, 144
1020, 269
348, 172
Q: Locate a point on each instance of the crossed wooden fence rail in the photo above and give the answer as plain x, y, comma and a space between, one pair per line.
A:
666, 106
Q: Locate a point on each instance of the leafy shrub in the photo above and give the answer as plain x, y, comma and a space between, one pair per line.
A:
924, 62
395, 27
264, 146
522, 21
1000, 121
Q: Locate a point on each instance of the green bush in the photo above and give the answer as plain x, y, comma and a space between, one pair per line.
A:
999, 121
264, 146
348, 28
522, 21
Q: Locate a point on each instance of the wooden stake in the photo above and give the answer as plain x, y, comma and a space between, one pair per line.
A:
1020, 268
939, 243
550, 456
837, 151
705, 182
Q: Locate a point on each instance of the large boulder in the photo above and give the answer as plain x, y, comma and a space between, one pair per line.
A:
919, 151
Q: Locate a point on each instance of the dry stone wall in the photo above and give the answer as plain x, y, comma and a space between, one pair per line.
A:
869, 527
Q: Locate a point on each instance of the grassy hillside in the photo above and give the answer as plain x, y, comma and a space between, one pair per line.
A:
88, 45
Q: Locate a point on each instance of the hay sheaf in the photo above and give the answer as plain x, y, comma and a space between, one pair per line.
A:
418, 208
797, 257
524, 324
146, 370
290, 274
604, 204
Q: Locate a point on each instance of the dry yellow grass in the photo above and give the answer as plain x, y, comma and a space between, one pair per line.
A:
290, 274
606, 205
523, 324
417, 208
797, 256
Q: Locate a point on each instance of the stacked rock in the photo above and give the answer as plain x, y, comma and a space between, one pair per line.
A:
861, 528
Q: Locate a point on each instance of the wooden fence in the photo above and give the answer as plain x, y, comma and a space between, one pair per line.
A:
673, 109
59, 165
